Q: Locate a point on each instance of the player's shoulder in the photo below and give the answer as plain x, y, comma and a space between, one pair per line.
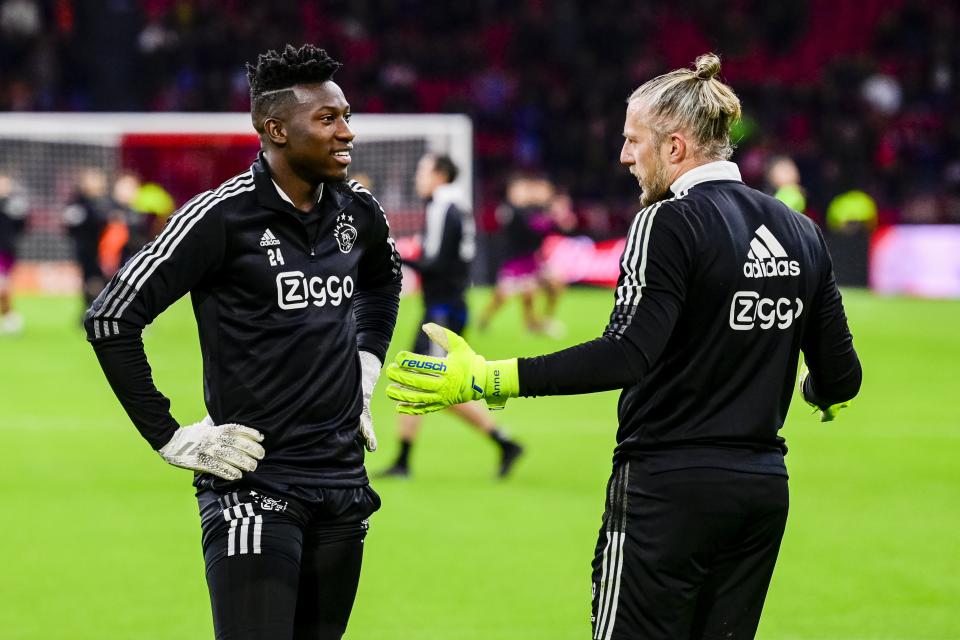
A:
793, 229
450, 199
668, 214
781, 214
226, 198
802, 220
362, 203
359, 199
705, 197
360, 194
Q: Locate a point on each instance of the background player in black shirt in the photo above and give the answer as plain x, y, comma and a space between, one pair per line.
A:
13, 213
86, 218
449, 246
295, 286
720, 288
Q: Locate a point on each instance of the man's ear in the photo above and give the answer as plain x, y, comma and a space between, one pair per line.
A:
275, 130
677, 150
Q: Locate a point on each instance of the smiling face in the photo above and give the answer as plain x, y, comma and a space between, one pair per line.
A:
644, 153
313, 133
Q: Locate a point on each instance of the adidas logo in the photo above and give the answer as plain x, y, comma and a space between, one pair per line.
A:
767, 257
268, 239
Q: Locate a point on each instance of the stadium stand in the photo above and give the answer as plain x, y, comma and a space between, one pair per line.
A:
862, 95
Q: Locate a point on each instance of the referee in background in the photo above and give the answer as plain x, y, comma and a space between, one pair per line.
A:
295, 287
721, 287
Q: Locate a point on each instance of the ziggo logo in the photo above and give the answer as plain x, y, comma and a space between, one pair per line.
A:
748, 307
296, 291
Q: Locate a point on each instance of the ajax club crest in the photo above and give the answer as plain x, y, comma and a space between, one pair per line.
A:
345, 233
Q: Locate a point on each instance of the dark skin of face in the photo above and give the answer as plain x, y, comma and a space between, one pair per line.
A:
305, 140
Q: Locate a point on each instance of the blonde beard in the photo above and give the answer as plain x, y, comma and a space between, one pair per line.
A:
657, 187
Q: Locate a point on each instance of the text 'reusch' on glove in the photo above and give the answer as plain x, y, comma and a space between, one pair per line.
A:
422, 383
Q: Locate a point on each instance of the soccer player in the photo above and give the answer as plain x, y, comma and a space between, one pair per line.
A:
86, 218
783, 179
295, 285
523, 223
720, 288
552, 284
449, 246
13, 212
125, 189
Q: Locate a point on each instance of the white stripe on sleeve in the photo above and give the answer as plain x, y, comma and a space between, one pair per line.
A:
164, 244
627, 252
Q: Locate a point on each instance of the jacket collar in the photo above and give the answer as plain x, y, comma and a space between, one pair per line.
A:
286, 198
717, 170
270, 196
447, 194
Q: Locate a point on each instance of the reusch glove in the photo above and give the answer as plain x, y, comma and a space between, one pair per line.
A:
423, 384
370, 366
828, 414
225, 450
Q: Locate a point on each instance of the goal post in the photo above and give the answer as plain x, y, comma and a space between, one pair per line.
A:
187, 153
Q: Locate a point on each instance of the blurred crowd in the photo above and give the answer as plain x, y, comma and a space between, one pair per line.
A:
107, 220
862, 95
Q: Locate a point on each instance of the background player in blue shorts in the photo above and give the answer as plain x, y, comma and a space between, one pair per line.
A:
449, 246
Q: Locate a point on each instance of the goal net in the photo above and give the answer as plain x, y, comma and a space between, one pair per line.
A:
45, 153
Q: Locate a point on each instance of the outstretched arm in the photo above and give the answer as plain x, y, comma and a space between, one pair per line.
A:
648, 299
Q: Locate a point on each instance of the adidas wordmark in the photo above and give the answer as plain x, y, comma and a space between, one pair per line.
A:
767, 257
268, 239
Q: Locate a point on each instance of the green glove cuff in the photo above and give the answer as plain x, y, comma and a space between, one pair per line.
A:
503, 381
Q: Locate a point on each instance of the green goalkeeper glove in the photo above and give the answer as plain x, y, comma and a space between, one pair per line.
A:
423, 384
828, 414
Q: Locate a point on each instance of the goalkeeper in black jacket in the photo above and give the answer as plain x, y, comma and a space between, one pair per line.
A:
720, 289
294, 282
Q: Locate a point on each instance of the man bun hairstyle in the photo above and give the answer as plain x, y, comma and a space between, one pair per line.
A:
276, 72
694, 101
706, 66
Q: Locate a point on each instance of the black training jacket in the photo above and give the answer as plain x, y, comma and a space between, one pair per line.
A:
282, 308
13, 212
449, 246
720, 288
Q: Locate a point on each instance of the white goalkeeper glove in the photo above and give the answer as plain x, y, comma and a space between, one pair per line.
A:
370, 366
225, 450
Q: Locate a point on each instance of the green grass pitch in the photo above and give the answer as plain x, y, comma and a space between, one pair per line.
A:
100, 539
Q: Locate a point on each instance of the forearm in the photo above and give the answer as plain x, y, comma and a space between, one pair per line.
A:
603, 364
375, 311
842, 385
640, 324
835, 371
125, 365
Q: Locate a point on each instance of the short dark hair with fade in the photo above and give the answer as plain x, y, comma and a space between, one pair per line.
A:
275, 72
445, 166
